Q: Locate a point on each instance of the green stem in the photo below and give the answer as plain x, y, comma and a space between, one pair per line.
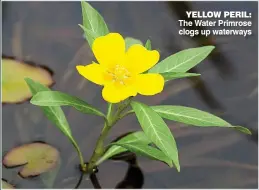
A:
126, 114
109, 112
99, 148
82, 163
111, 120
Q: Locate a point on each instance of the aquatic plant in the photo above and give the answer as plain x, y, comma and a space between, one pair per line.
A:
14, 88
125, 69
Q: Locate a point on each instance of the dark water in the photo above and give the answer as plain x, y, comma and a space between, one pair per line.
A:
47, 33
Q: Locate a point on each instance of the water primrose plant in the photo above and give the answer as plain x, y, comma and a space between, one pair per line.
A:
126, 68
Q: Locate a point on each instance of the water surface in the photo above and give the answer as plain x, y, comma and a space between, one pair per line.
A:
47, 33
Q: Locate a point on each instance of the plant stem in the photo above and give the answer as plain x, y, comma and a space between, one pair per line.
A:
82, 163
126, 114
111, 120
109, 112
99, 148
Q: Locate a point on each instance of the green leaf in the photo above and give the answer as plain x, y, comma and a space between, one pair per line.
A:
37, 158
192, 116
157, 131
136, 137
54, 114
131, 41
183, 60
173, 75
243, 130
90, 35
145, 150
14, 88
55, 98
148, 45
93, 23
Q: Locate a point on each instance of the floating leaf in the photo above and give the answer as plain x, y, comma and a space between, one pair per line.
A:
131, 41
93, 23
173, 75
138, 136
14, 88
55, 98
145, 150
192, 116
157, 131
6, 185
37, 158
183, 60
53, 113
148, 45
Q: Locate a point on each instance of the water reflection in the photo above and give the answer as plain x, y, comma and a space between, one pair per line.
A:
254, 136
134, 178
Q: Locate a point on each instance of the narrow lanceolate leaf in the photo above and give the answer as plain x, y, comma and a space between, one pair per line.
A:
192, 116
93, 22
135, 137
131, 41
148, 45
157, 131
54, 114
173, 75
146, 150
243, 130
91, 36
183, 60
55, 98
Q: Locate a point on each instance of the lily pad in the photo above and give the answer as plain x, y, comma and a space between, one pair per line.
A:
6, 185
37, 158
14, 87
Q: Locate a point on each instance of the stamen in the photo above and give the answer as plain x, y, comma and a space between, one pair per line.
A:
119, 74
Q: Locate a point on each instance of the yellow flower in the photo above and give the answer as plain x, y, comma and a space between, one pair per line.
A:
120, 71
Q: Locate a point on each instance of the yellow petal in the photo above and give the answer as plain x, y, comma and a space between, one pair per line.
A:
109, 49
93, 72
149, 84
139, 59
114, 94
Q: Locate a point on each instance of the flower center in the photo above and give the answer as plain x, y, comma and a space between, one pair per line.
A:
119, 75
